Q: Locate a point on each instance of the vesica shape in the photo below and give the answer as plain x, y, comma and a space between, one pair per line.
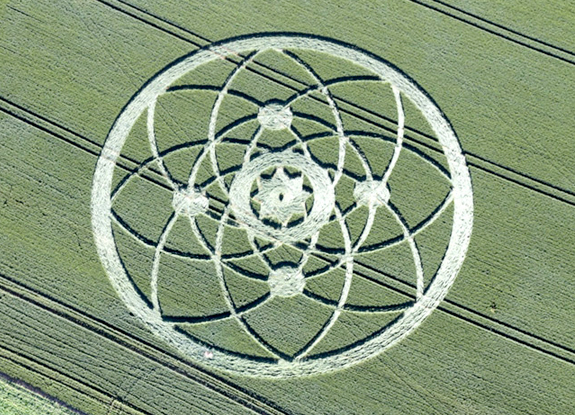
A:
305, 203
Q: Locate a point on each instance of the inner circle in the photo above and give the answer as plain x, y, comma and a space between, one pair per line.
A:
323, 192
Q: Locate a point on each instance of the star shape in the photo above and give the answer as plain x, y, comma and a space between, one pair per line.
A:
281, 196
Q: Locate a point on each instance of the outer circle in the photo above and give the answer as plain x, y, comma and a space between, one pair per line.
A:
323, 191
462, 200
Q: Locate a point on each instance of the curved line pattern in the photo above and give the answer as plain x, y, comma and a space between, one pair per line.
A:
232, 126
226, 315
369, 175
259, 252
366, 229
210, 147
154, 146
146, 242
156, 261
343, 295
306, 253
400, 132
362, 159
460, 195
227, 295
317, 120
251, 236
145, 165
333, 106
356, 133
372, 209
208, 346
420, 227
344, 79
413, 246
252, 145
244, 273
300, 141
359, 308
238, 94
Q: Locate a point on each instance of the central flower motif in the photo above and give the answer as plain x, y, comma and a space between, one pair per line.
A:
281, 196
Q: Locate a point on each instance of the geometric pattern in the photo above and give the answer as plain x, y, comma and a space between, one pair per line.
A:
286, 197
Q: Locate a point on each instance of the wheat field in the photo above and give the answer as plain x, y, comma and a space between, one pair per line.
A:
297, 207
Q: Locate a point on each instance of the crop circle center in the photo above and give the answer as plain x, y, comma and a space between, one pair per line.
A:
282, 196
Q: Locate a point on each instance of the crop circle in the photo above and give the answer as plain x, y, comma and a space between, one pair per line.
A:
288, 280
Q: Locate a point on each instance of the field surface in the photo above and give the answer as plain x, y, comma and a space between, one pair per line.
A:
15, 399
126, 287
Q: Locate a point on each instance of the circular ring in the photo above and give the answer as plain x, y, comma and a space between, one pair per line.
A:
324, 197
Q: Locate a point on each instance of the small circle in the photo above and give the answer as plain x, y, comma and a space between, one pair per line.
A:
371, 193
187, 201
323, 191
275, 116
286, 281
